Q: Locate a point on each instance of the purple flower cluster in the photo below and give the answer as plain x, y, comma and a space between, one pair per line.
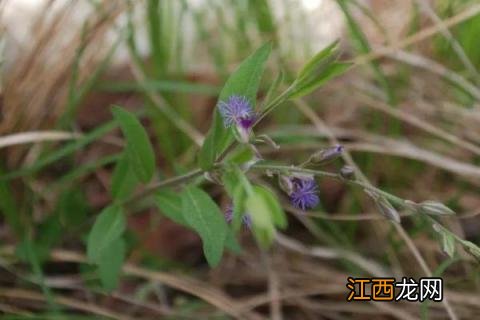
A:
304, 193
237, 111
246, 219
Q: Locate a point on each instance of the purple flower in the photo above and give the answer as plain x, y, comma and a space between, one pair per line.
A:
237, 111
246, 219
305, 193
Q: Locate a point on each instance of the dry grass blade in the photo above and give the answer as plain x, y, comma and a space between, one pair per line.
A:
20, 294
456, 46
8, 309
328, 253
436, 68
308, 112
182, 283
418, 123
36, 136
421, 35
366, 142
166, 109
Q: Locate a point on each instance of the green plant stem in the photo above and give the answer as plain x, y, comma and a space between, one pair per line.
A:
162, 184
268, 108
389, 196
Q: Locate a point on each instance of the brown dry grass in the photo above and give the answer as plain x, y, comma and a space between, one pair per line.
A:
296, 280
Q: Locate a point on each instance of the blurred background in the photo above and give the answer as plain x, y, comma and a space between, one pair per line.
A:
408, 112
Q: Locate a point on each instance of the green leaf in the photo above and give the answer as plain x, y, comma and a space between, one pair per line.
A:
205, 217
242, 154
110, 264
139, 150
262, 222
8, 207
308, 85
107, 229
276, 211
272, 91
316, 72
72, 207
237, 186
318, 61
170, 203
262, 13
243, 82
123, 179
231, 242
230, 181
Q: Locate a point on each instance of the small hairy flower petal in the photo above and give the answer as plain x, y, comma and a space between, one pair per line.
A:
246, 219
305, 194
236, 111
246, 123
229, 214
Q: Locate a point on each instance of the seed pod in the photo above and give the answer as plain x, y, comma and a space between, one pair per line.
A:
384, 206
326, 155
388, 210
435, 208
347, 172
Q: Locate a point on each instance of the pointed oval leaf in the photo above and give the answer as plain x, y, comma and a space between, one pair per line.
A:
139, 149
123, 179
170, 203
276, 211
243, 82
108, 227
262, 224
110, 264
315, 81
318, 60
203, 215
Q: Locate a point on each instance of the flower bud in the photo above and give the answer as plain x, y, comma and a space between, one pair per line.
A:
384, 206
472, 248
326, 155
242, 134
285, 184
347, 172
435, 208
388, 210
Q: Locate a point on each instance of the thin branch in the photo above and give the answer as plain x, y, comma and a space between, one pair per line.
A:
163, 184
302, 106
